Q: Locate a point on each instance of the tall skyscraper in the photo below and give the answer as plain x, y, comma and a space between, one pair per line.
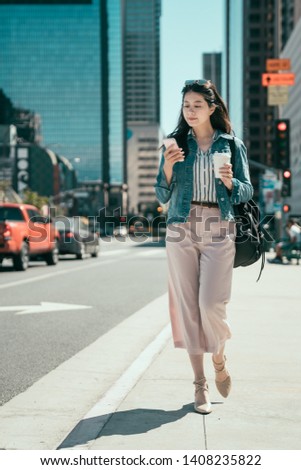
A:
270, 29
142, 61
91, 70
259, 45
212, 68
116, 91
51, 60
142, 104
291, 111
268, 25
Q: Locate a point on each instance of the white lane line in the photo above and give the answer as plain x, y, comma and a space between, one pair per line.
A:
42, 308
156, 252
58, 273
115, 252
102, 412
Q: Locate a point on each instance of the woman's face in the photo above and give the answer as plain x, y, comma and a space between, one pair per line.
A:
196, 110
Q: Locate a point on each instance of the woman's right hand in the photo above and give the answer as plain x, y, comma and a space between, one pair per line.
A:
172, 155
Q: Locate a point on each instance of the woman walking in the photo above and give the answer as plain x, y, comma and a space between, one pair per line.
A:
201, 230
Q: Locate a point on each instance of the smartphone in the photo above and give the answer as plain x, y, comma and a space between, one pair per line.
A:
169, 142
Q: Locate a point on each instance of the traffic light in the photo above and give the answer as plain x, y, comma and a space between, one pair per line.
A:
286, 208
286, 183
282, 144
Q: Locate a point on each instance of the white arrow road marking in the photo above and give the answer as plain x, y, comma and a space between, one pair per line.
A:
43, 307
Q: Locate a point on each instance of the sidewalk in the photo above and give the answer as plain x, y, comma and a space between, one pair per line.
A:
263, 410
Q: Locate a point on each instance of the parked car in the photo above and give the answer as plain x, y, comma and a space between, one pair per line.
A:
76, 238
25, 234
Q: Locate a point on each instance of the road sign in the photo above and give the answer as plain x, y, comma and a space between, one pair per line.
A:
273, 65
277, 95
269, 179
269, 79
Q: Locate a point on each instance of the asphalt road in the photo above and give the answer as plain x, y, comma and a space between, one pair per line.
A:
96, 293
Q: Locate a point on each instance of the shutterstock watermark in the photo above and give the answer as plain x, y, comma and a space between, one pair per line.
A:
137, 228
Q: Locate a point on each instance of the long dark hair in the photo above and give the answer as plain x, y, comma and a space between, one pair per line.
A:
219, 118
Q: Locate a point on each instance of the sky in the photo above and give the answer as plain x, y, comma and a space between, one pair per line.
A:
188, 29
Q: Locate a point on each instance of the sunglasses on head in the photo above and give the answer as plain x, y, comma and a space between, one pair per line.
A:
201, 81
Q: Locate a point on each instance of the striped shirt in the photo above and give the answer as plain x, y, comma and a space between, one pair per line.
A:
203, 176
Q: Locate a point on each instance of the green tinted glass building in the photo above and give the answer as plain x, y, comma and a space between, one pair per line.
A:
55, 61
116, 90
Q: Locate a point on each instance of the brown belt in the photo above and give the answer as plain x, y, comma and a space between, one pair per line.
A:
205, 204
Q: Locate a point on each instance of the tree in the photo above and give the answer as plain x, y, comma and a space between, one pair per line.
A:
31, 197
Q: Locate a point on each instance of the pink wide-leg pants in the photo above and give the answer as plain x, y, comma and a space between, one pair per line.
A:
200, 256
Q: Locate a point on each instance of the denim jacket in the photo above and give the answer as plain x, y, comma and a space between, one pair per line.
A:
179, 192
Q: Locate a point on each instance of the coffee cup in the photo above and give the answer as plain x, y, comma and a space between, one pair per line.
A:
219, 159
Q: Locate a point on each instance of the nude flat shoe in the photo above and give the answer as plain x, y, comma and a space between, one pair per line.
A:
223, 386
202, 402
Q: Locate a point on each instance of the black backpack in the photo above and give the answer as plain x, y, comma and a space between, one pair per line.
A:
249, 242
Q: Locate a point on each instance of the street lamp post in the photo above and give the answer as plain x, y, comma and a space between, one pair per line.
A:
106, 188
124, 199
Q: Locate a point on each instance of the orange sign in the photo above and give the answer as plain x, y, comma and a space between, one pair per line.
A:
270, 79
273, 65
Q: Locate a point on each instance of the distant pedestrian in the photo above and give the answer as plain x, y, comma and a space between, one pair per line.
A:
201, 230
294, 232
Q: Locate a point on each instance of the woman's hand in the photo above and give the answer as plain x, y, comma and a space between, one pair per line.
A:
227, 175
172, 155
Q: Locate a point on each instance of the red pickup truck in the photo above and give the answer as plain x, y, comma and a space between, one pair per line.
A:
25, 234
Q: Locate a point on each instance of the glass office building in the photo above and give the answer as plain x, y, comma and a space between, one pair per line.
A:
116, 95
51, 63
89, 69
